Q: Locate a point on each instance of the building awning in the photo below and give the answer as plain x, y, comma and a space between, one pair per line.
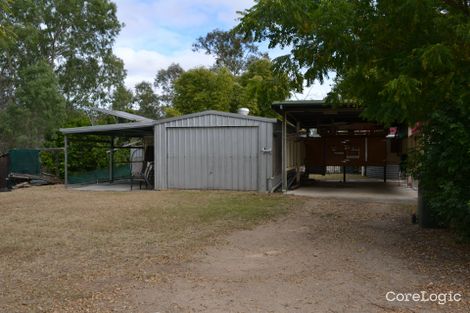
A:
317, 114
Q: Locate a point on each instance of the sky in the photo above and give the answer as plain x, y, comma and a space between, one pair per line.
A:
157, 33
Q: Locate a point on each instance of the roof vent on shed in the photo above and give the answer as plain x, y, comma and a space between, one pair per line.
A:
243, 111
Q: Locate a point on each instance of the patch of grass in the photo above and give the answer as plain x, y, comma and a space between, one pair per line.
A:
71, 250
251, 208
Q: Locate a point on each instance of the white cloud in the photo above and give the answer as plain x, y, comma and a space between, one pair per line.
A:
145, 16
144, 64
160, 32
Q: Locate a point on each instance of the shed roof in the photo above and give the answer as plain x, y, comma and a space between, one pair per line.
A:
138, 129
220, 113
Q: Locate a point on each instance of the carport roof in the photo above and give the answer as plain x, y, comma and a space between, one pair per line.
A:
144, 128
316, 113
137, 129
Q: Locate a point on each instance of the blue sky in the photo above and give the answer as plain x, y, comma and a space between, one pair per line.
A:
160, 32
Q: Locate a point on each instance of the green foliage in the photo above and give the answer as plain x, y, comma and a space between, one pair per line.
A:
54, 54
5, 27
147, 101
75, 38
171, 112
202, 89
263, 86
217, 89
230, 50
38, 110
122, 99
443, 166
84, 155
402, 61
164, 82
397, 60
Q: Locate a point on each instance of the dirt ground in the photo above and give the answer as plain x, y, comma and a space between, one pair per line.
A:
326, 256
187, 251
63, 250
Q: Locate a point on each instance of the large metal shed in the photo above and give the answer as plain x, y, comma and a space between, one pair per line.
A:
214, 150
205, 150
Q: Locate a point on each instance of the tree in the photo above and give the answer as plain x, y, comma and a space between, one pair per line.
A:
38, 110
5, 31
61, 47
74, 37
147, 101
202, 89
122, 99
230, 49
263, 86
164, 82
402, 62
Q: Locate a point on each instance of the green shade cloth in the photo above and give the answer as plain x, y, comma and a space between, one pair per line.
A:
99, 175
24, 161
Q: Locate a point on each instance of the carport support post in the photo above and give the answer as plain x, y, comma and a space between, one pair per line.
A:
385, 173
297, 165
111, 161
66, 174
284, 152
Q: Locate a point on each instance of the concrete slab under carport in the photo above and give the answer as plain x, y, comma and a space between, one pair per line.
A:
366, 190
120, 186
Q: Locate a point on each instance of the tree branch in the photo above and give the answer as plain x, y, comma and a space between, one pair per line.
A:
459, 5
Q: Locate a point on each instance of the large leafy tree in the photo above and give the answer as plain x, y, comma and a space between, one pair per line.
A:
147, 101
402, 61
262, 86
164, 82
218, 89
39, 108
230, 49
203, 89
74, 37
54, 52
122, 98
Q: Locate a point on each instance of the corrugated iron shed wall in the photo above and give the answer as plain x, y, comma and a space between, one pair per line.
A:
214, 151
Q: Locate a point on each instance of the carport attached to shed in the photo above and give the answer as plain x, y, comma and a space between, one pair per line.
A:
206, 150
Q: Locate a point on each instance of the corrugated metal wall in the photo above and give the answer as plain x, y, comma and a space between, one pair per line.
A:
213, 152
393, 171
213, 158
